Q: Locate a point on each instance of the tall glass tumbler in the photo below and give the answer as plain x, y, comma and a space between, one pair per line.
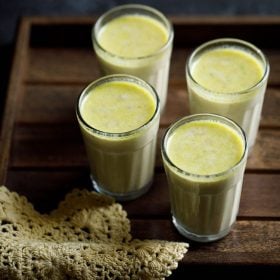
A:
204, 157
136, 40
228, 77
119, 119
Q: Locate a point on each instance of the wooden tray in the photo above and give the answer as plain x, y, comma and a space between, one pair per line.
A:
42, 154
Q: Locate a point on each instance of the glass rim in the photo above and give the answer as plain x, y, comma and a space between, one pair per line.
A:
112, 78
152, 11
198, 117
228, 42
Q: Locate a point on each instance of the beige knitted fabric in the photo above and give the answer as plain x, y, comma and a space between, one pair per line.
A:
87, 237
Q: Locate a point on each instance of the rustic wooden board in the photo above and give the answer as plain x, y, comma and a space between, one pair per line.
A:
42, 154
47, 182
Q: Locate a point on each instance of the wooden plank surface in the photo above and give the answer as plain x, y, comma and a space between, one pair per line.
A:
56, 104
258, 189
239, 247
49, 65
44, 156
50, 145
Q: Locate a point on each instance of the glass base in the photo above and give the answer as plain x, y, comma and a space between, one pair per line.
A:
122, 196
197, 237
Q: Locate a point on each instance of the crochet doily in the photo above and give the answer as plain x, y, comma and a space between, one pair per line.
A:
87, 237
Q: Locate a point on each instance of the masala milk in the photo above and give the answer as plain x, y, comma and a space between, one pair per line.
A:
204, 157
119, 119
228, 77
135, 40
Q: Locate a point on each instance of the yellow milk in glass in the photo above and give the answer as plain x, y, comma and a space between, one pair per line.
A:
135, 40
119, 120
228, 77
133, 36
204, 158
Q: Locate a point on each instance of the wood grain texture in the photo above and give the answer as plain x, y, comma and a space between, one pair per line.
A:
55, 103
52, 145
13, 98
59, 65
48, 146
239, 247
260, 195
49, 104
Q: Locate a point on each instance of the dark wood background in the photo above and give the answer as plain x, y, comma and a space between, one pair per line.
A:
42, 154
11, 11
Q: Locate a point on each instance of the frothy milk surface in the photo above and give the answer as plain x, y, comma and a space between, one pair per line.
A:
205, 147
117, 107
133, 36
227, 70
